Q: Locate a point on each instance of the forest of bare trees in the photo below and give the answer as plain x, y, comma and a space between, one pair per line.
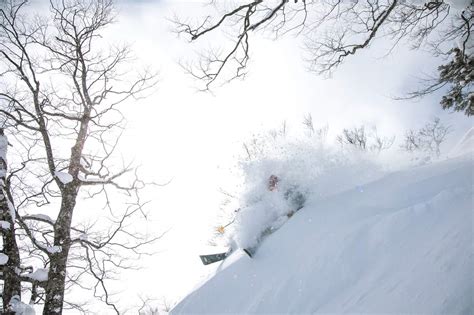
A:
61, 93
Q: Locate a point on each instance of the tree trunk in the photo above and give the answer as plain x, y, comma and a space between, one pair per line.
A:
56, 282
11, 277
55, 288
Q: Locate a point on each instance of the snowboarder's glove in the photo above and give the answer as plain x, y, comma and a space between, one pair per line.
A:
221, 229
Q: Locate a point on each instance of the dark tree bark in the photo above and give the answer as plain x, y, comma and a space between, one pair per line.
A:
10, 270
67, 90
55, 288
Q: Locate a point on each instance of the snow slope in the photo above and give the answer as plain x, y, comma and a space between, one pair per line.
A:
402, 244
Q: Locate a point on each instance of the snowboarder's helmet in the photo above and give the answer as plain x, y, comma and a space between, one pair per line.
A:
272, 182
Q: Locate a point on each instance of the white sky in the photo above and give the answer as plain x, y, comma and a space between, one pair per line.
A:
189, 137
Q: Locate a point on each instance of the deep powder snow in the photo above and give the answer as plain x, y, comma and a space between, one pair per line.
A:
400, 244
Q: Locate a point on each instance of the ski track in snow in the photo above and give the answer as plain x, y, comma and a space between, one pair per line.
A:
402, 244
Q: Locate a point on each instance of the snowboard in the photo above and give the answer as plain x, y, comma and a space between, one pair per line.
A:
212, 258
250, 251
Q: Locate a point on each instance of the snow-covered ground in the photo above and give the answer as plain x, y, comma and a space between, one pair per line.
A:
400, 244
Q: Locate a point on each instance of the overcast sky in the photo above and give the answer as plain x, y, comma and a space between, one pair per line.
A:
189, 138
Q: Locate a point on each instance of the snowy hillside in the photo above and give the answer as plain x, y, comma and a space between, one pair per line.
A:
400, 244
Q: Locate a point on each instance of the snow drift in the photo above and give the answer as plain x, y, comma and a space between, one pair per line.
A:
400, 244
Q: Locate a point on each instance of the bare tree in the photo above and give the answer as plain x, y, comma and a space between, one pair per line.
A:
355, 137
254, 147
281, 131
334, 30
149, 308
412, 142
308, 123
380, 143
319, 132
359, 138
60, 93
427, 139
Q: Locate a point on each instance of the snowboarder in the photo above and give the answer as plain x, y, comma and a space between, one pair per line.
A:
272, 182
296, 201
295, 198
